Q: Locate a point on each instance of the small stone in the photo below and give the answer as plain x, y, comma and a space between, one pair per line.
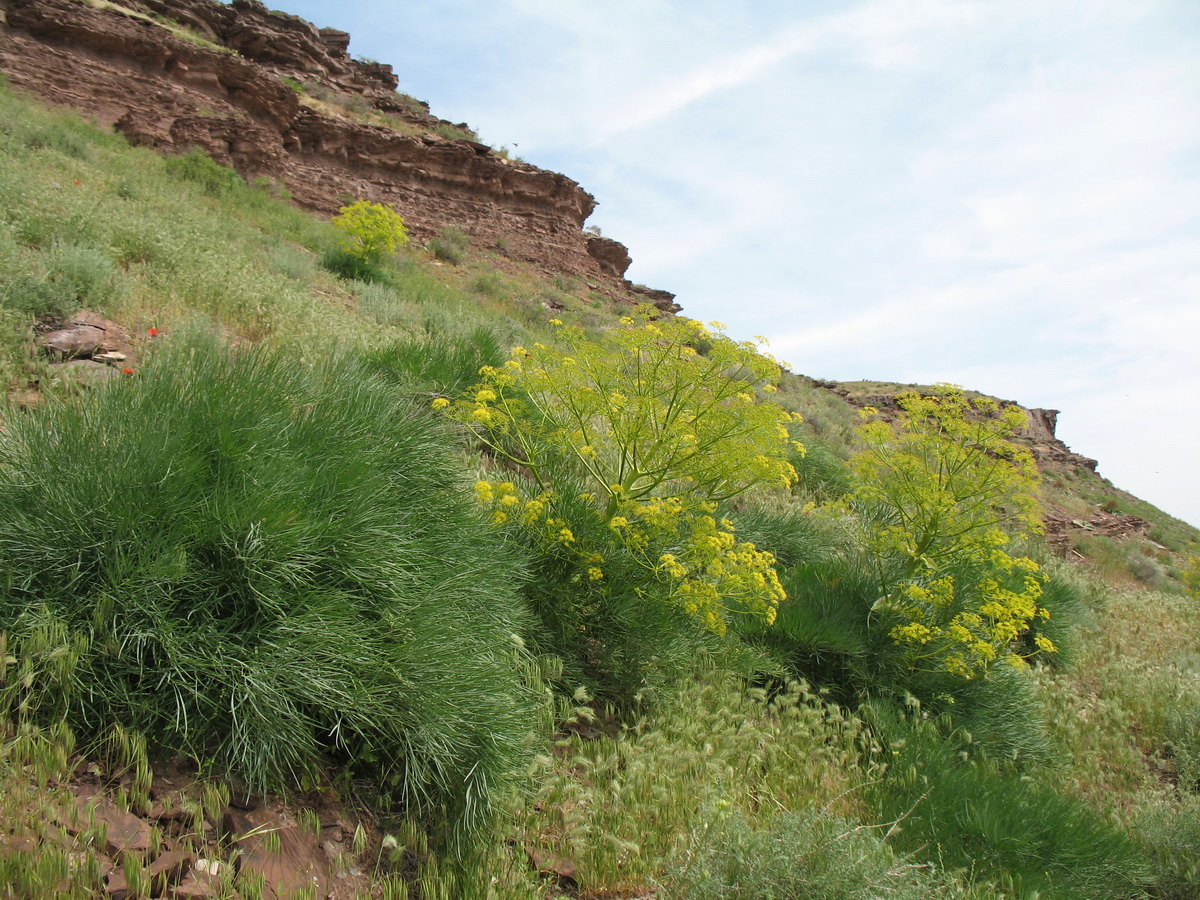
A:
168, 869
123, 830
74, 341
192, 887
116, 886
210, 867
562, 870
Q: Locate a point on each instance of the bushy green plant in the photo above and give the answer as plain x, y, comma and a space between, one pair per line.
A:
1190, 574
371, 230
594, 600
269, 568
935, 491
441, 364
803, 855
200, 169
489, 285
451, 245
828, 633
965, 812
821, 474
659, 434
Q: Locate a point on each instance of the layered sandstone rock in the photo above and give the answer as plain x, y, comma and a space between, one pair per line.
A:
174, 74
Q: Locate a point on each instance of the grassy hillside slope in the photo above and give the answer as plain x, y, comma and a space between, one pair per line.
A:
296, 545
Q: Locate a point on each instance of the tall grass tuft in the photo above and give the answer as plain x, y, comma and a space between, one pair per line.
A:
1029, 838
445, 364
268, 567
805, 854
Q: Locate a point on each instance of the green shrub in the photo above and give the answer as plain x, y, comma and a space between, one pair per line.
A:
68, 136
937, 490
803, 856
966, 813
451, 246
489, 285
1171, 835
443, 364
84, 275
370, 231
611, 633
64, 278
656, 435
791, 535
344, 264
1002, 718
198, 167
824, 631
1062, 597
832, 633
455, 132
38, 297
822, 474
269, 568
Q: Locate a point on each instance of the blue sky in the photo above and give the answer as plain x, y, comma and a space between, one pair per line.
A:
1004, 195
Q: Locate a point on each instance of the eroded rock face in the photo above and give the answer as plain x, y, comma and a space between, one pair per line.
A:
612, 256
174, 74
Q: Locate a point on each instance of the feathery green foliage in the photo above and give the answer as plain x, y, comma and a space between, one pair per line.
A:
370, 230
451, 245
967, 813
268, 567
443, 364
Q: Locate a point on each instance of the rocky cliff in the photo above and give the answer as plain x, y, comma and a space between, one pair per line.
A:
273, 96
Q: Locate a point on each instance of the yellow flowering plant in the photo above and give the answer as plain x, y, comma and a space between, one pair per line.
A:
940, 490
1191, 576
662, 419
652, 406
371, 230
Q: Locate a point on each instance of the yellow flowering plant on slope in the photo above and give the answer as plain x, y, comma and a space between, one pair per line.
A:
942, 488
370, 230
662, 419
1191, 576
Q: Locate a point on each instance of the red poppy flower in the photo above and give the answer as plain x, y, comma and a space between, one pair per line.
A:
128, 371
153, 332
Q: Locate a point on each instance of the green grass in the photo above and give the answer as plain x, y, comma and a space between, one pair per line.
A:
1031, 839
621, 806
808, 854
451, 245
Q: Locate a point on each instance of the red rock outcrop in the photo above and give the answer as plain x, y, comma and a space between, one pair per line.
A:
174, 74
